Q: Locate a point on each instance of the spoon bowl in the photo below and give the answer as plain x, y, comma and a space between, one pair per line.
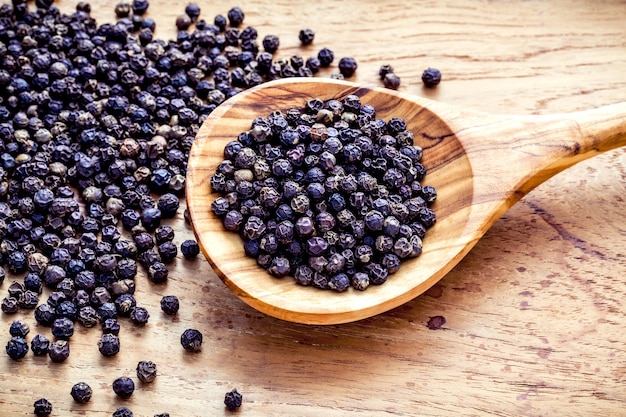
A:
480, 164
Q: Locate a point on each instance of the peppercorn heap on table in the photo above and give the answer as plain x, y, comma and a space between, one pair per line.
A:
529, 323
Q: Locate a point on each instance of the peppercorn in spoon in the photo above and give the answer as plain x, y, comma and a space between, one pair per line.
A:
479, 164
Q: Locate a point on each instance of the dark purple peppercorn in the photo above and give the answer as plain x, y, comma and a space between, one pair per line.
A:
39, 345
193, 11
347, 66
111, 326
17, 348
146, 371
139, 316
122, 412
170, 304
190, 249
109, 344
123, 387
326, 57
62, 328
391, 81
42, 407
19, 328
191, 339
431, 77
306, 36
81, 392
59, 351
235, 16
233, 399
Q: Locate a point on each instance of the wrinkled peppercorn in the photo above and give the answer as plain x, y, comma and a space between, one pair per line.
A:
81, 392
17, 348
59, 351
431, 77
42, 407
123, 387
233, 399
191, 339
190, 249
109, 344
122, 412
170, 304
146, 371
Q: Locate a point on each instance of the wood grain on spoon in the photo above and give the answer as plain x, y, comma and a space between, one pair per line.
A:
480, 164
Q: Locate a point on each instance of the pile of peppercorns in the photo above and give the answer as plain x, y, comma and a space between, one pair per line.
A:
330, 194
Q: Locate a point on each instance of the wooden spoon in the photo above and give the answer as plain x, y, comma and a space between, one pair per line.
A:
480, 165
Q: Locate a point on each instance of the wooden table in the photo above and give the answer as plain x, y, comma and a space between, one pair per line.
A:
534, 319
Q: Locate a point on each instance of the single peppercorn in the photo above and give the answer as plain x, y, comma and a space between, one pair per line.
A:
122, 412
81, 392
306, 36
347, 66
17, 348
59, 351
431, 77
42, 407
233, 399
19, 328
191, 339
139, 316
326, 57
39, 345
391, 81
190, 248
123, 387
235, 16
146, 371
170, 304
109, 344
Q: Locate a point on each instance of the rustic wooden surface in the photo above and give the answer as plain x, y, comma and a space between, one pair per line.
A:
534, 323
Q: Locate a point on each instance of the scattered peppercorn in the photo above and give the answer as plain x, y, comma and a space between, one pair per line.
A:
139, 316
146, 371
122, 412
391, 81
109, 344
17, 348
306, 36
347, 66
191, 339
431, 77
170, 304
19, 328
59, 351
81, 392
233, 399
123, 387
43, 407
40, 345
190, 248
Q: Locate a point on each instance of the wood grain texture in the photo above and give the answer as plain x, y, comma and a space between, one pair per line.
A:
534, 319
468, 157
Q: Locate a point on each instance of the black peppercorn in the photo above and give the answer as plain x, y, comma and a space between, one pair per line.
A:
17, 348
235, 16
122, 412
139, 316
391, 81
146, 371
190, 249
109, 344
347, 66
43, 407
431, 77
233, 399
19, 328
306, 36
59, 351
170, 304
123, 387
81, 392
191, 339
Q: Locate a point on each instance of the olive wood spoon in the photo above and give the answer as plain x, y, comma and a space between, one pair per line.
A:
480, 164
